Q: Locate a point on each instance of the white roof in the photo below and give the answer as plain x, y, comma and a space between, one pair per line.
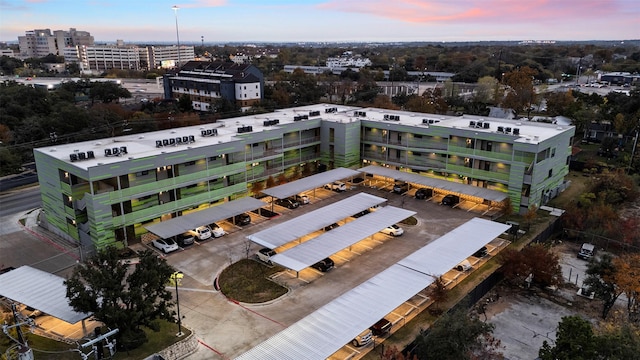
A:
305, 224
483, 193
326, 330
40, 290
310, 182
181, 224
310, 252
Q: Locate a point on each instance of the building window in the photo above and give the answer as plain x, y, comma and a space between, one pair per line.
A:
553, 152
245, 95
550, 172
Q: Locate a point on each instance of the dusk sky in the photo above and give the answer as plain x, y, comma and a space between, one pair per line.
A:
327, 20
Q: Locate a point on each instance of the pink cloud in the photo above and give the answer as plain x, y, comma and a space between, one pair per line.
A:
202, 4
478, 11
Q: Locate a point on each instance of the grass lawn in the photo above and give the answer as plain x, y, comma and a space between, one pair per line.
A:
156, 341
247, 281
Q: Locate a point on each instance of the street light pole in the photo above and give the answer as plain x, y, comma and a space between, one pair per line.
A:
175, 10
177, 276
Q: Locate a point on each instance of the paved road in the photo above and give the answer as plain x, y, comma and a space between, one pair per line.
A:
16, 201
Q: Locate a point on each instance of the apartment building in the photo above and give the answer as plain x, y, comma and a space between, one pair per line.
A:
207, 82
42, 42
104, 192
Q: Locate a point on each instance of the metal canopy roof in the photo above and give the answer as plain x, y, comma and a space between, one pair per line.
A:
181, 224
310, 252
310, 182
39, 290
326, 330
454, 246
483, 193
302, 225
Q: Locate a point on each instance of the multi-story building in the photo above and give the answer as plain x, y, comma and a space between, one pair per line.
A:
154, 57
102, 58
207, 82
104, 192
41, 42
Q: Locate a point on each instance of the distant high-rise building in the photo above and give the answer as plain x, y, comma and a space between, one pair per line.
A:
41, 42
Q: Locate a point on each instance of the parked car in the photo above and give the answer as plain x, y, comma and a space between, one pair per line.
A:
361, 213
380, 328
166, 245
203, 232
240, 219
481, 253
338, 186
465, 265
324, 265
586, 251
288, 203
424, 193
185, 239
450, 200
331, 227
216, 230
400, 187
393, 230
301, 198
265, 255
364, 338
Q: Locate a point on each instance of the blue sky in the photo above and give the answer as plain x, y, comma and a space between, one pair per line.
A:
327, 20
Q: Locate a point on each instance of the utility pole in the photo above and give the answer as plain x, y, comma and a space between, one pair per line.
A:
175, 10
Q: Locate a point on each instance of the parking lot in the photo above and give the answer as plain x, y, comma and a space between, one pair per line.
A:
229, 328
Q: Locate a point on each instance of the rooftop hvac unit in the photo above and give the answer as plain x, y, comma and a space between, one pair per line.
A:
507, 130
192, 138
90, 155
385, 117
178, 140
82, 156
159, 143
425, 121
500, 129
485, 125
516, 131
73, 157
107, 152
331, 110
314, 113
472, 124
172, 141
165, 142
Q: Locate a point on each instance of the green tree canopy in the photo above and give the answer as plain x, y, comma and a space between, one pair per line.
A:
121, 298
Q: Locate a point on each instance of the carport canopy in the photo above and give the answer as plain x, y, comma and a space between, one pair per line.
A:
326, 330
184, 223
305, 224
487, 194
310, 182
40, 290
310, 252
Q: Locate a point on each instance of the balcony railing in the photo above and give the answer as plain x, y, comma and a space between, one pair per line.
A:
480, 153
477, 173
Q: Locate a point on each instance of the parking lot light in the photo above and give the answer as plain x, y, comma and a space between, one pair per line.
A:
177, 277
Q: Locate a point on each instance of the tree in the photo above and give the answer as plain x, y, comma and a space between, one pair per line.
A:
574, 341
107, 91
438, 292
520, 91
184, 103
627, 278
486, 89
536, 260
601, 280
120, 298
456, 336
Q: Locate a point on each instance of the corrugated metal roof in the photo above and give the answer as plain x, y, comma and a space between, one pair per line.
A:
310, 182
454, 246
465, 189
305, 224
181, 224
310, 252
326, 330
40, 290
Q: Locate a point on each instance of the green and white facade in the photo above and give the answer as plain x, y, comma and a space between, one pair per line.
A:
102, 199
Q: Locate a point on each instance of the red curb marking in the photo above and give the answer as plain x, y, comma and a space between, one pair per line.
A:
212, 349
255, 312
51, 242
